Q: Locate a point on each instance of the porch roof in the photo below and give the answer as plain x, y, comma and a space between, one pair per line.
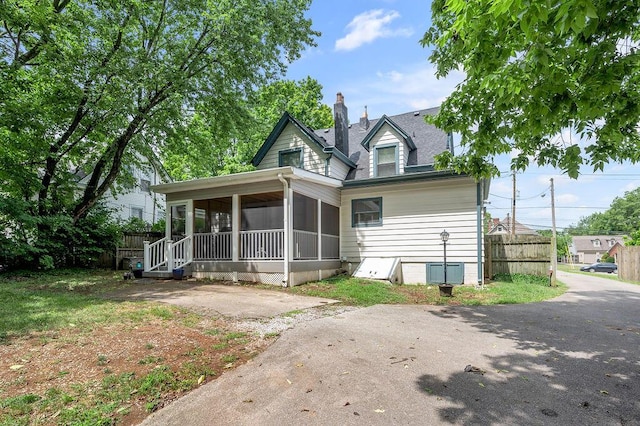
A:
288, 172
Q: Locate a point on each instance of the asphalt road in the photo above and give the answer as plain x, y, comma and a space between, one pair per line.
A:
574, 360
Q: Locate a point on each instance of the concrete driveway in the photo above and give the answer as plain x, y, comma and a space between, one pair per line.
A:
211, 299
573, 360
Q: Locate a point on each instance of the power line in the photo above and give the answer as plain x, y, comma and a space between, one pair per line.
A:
547, 207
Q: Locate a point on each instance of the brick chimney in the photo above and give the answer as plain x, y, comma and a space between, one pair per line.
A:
341, 119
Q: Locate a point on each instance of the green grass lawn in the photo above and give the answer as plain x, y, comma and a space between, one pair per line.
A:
503, 290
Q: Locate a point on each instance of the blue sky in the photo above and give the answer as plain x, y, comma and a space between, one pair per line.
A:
370, 51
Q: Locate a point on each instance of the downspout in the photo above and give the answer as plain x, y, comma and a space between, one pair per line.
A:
285, 206
479, 236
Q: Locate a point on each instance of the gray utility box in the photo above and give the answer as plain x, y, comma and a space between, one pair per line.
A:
435, 273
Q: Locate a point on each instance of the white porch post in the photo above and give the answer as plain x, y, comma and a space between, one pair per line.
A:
170, 255
319, 229
235, 227
146, 256
287, 194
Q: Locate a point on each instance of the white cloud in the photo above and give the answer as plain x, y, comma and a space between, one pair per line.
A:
410, 88
567, 199
369, 26
631, 186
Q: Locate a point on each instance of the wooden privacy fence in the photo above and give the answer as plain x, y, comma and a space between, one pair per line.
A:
133, 245
629, 263
516, 254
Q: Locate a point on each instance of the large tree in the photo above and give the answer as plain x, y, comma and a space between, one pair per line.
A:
89, 86
192, 155
538, 72
623, 217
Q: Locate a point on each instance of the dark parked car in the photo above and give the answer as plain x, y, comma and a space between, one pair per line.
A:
601, 267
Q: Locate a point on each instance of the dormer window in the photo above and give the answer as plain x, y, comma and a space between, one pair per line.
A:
612, 242
596, 243
385, 160
291, 157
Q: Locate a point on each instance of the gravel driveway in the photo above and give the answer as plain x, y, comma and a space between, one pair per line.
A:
572, 360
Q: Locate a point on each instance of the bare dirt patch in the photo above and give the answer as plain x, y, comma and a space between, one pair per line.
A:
77, 363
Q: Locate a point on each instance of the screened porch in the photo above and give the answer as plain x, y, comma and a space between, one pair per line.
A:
209, 230
262, 235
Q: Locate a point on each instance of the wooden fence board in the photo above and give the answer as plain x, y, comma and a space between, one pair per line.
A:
517, 254
629, 263
133, 245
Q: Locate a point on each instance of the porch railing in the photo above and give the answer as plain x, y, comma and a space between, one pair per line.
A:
166, 255
182, 252
212, 246
262, 245
305, 244
155, 254
330, 246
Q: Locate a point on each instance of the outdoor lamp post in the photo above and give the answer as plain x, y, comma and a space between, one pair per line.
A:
444, 235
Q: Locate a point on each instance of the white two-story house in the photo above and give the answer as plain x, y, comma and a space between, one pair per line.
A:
322, 201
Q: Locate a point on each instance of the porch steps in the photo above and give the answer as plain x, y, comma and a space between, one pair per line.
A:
167, 274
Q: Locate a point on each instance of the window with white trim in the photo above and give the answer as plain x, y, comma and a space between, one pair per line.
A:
596, 243
385, 160
145, 186
137, 212
291, 157
366, 212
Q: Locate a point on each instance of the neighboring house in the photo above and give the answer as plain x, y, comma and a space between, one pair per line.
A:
505, 226
322, 201
591, 248
139, 202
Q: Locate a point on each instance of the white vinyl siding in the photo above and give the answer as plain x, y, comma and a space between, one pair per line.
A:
337, 169
312, 190
152, 204
387, 136
414, 215
291, 137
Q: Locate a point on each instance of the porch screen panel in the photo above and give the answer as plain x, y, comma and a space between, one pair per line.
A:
262, 211
330, 231
262, 226
212, 237
305, 227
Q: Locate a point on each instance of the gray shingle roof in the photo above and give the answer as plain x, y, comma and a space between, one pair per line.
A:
584, 243
428, 139
506, 227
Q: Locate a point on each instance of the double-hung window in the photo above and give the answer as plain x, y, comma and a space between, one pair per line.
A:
291, 157
145, 186
386, 160
136, 212
366, 212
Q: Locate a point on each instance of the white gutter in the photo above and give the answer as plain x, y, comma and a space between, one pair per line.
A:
285, 206
245, 178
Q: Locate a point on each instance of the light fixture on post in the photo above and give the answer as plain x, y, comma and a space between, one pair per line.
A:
444, 236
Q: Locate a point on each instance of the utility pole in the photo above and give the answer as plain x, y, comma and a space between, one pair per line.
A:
554, 246
513, 206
